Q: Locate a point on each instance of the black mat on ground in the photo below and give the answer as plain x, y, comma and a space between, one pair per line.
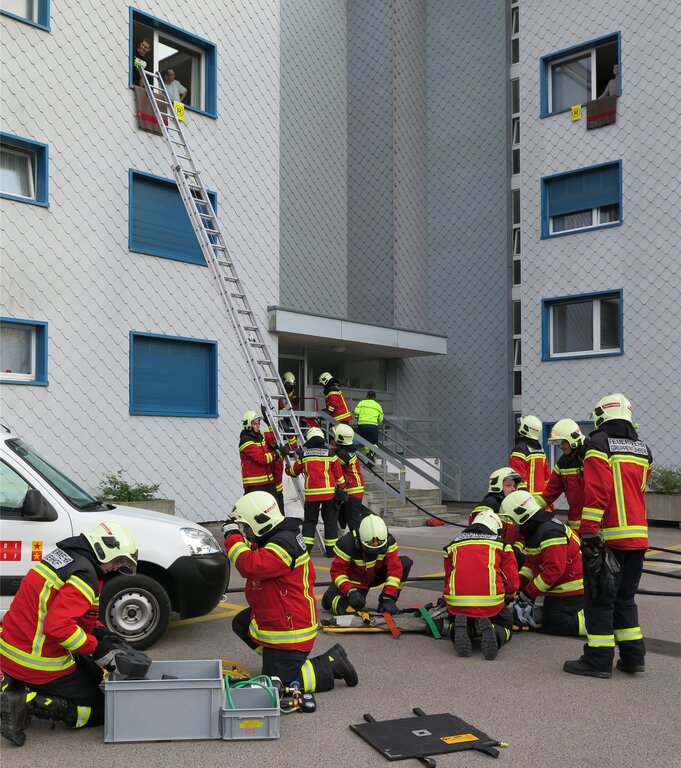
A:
417, 737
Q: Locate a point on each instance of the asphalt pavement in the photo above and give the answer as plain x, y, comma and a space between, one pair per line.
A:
524, 698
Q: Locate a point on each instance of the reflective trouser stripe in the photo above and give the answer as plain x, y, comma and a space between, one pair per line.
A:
581, 624
330, 542
309, 677
83, 715
334, 603
630, 633
600, 641
309, 540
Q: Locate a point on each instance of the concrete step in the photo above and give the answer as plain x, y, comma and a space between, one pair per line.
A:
409, 510
418, 519
422, 496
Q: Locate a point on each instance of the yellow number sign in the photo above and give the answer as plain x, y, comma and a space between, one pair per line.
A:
179, 110
576, 112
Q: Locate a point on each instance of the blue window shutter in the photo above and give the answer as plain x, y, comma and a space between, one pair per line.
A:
584, 189
159, 222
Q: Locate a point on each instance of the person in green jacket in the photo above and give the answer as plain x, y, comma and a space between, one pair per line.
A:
369, 414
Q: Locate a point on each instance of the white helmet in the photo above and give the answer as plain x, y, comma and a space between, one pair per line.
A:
288, 378
248, 418
530, 426
344, 434
373, 534
489, 519
115, 543
518, 507
567, 429
259, 511
612, 407
325, 378
313, 432
496, 479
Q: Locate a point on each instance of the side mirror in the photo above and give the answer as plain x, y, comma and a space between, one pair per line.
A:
36, 508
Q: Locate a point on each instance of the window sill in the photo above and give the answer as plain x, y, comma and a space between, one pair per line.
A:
26, 383
27, 200
181, 414
171, 257
546, 236
187, 107
24, 20
582, 356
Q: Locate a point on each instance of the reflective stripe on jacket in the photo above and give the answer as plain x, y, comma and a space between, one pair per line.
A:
353, 568
336, 406
322, 471
529, 461
568, 478
554, 559
368, 411
352, 471
256, 460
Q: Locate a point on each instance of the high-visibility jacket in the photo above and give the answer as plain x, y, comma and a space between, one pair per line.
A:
617, 466
280, 579
278, 463
368, 411
352, 471
353, 568
322, 470
336, 405
509, 531
554, 559
52, 615
256, 459
293, 397
480, 572
529, 461
567, 477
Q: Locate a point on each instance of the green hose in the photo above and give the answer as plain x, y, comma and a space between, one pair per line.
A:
263, 681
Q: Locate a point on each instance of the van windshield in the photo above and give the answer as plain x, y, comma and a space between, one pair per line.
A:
77, 496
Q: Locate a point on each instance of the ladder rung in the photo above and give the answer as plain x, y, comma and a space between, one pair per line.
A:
225, 263
250, 328
244, 312
257, 344
268, 378
264, 362
237, 296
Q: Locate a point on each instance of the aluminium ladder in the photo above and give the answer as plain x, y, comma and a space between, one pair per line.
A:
262, 368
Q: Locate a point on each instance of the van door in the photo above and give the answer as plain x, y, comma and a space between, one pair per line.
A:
24, 540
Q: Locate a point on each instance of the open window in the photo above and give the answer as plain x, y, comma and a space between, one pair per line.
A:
23, 351
579, 74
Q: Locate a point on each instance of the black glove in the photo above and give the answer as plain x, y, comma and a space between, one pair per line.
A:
265, 417
387, 605
106, 651
229, 527
609, 570
523, 597
340, 496
284, 451
100, 632
356, 599
300, 452
592, 562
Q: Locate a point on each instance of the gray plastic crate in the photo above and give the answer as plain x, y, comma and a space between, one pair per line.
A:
254, 716
153, 709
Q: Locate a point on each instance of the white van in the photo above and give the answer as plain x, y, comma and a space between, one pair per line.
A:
181, 566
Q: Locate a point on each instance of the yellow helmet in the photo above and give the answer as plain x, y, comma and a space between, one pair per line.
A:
288, 378
489, 519
313, 432
325, 378
567, 429
248, 418
258, 510
344, 434
530, 426
496, 479
115, 543
612, 407
518, 507
373, 534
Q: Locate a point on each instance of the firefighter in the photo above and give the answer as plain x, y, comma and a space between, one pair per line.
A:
281, 621
528, 457
567, 476
614, 529
501, 482
53, 648
336, 406
350, 511
480, 577
366, 558
257, 458
323, 476
289, 385
553, 568
369, 414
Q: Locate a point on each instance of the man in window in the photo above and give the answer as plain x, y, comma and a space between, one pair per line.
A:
176, 91
611, 89
141, 59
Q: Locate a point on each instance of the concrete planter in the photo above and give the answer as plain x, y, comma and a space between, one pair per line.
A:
167, 506
664, 507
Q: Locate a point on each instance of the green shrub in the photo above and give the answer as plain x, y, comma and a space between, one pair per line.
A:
114, 488
665, 480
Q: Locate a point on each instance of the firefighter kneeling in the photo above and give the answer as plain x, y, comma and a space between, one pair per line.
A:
281, 621
366, 558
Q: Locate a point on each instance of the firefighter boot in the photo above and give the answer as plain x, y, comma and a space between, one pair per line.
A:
52, 708
630, 669
15, 713
580, 667
342, 668
488, 638
461, 636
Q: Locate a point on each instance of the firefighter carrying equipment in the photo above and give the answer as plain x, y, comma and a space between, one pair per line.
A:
259, 511
257, 459
115, 655
615, 406
568, 430
530, 426
113, 542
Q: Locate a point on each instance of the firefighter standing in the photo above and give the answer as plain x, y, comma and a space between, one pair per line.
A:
290, 386
281, 621
528, 457
53, 648
568, 472
323, 475
336, 406
480, 576
257, 458
614, 530
350, 511
366, 558
553, 568
369, 414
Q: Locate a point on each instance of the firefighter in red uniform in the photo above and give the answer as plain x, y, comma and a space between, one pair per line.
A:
481, 575
281, 621
350, 512
257, 458
290, 386
553, 568
323, 475
52, 647
366, 558
567, 476
501, 482
336, 406
528, 457
614, 530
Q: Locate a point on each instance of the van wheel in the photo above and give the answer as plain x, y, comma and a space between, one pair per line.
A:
136, 608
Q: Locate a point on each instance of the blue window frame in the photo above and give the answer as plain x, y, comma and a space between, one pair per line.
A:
34, 12
579, 74
585, 325
172, 376
159, 224
23, 352
193, 58
586, 198
23, 170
